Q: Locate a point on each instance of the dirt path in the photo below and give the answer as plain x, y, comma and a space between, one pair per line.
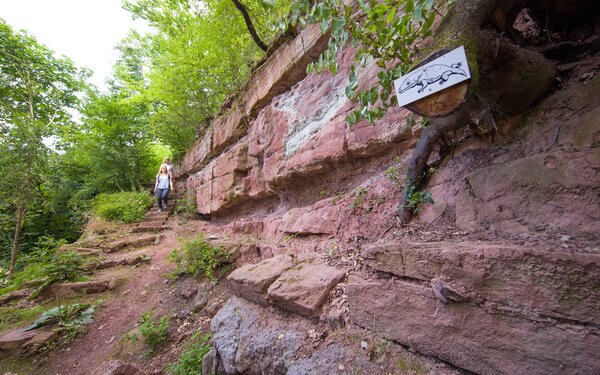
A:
145, 288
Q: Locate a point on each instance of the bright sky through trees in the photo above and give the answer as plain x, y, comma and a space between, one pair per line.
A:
84, 30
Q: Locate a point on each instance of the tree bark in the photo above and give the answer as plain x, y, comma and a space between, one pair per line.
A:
249, 25
16, 238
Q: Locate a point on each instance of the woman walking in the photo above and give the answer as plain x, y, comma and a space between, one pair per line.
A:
163, 184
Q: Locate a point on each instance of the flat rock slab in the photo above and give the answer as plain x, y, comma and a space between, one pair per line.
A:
16, 341
252, 280
16, 294
12, 341
552, 284
75, 288
110, 263
132, 242
304, 288
476, 338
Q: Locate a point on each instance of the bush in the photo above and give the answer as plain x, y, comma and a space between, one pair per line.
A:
198, 257
63, 266
186, 207
32, 266
190, 361
125, 207
154, 332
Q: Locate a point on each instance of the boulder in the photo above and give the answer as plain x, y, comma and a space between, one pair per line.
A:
304, 288
251, 340
252, 280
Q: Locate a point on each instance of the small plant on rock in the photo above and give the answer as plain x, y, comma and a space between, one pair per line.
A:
153, 330
395, 172
415, 199
63, 266
186, 207
198, 257
359, 197
190, 361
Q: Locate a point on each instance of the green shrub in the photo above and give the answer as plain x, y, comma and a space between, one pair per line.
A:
415, 199
185, 206
190, 361
33, 266
125, 207
154, 332
198, 257
63, 266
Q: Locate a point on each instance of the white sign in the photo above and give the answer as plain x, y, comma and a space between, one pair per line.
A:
436, 75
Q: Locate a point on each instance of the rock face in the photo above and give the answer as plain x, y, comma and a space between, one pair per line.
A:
533, 281
499, 276
484, 339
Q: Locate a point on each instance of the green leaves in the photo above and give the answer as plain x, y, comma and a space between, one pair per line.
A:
384, 30
198, 257
125, 207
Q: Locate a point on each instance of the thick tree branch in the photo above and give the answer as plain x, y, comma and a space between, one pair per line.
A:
249, 25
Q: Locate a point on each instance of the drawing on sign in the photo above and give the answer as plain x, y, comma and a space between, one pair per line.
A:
436, 75
431, 74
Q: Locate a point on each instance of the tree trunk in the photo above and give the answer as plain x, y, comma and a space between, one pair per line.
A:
249, 25
16, 238
506, 78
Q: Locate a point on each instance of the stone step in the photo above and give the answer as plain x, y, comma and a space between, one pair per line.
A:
132, 243
155, 214
14, 295
87, 251
150, 229
154, 219
67, 290
149, 224
126, 261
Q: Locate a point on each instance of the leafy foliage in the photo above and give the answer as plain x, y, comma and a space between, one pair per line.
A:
126, 207
416, 198
185, 206
37, 92
199, 54
388, 31
65, 315
190, 361
154, 331
63, 266
34, 265
198, 257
